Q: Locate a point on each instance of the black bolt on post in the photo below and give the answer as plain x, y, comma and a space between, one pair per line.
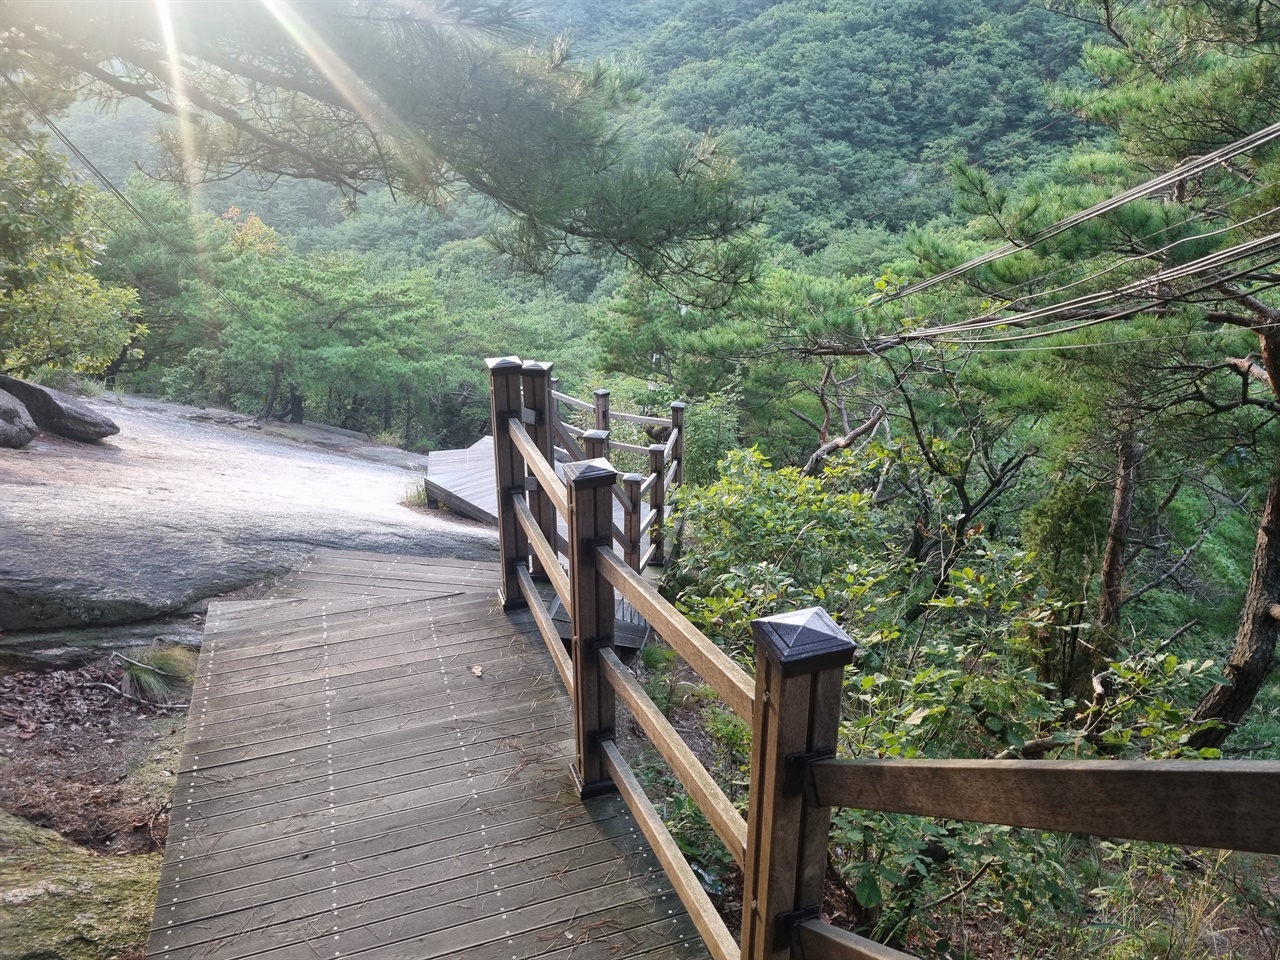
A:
509, 472
590, 488
800, 661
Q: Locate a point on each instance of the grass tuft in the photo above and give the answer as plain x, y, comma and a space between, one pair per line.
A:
157, 674
415, 495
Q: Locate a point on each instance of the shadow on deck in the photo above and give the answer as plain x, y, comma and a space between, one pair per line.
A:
377, 765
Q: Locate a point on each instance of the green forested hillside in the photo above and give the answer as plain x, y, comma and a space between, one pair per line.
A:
849, 113
840, 120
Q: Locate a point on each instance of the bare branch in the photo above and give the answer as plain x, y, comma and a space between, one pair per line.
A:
821, 455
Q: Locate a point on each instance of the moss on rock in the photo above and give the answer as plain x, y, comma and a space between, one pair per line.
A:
59, 902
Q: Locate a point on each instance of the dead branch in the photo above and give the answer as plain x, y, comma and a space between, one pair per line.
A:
821, 455
146, 703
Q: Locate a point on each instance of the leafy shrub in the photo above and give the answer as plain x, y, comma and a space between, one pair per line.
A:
712, 428
957, 665
200, 380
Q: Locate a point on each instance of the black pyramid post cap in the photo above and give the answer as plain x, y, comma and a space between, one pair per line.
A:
503, 363
804, 641
537, 367
590, 473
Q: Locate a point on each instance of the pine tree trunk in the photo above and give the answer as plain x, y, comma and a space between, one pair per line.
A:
274, 392
1253, 656
1111, 580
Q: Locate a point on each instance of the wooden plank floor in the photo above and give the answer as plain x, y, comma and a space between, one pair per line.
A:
377, 766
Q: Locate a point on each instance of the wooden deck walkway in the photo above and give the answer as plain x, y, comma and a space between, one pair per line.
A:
462, 481
377, 766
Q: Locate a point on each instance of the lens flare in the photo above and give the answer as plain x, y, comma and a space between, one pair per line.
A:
186, 130
363, 99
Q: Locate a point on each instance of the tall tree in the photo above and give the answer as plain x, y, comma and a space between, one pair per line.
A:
53, 312
1195, 257
431, 98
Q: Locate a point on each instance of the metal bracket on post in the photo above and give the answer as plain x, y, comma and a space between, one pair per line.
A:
786, 931
800, 773
588, 790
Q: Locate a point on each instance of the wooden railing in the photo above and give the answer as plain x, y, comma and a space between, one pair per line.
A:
665, 467
793, 706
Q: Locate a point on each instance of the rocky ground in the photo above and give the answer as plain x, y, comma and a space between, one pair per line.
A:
120, 543
180, 507
85, 780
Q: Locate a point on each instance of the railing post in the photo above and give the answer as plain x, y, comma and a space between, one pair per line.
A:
658, 499
631, 522
536, 385
602, 410
595, 443
800, 660
590, 489
677, 451
505, 402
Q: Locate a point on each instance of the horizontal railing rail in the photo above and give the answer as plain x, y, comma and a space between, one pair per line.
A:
720, 672
572, 401
713, 930
665, 466
715, 805
792, 704
1227, 804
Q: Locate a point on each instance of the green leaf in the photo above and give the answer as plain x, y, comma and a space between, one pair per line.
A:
917, 716
867, 892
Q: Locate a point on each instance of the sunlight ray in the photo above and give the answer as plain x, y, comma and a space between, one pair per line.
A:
173, 55
367, 104
186, 129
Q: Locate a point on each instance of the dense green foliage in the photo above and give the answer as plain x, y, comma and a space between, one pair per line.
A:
954, 667
362, 340
966, 79
54, 312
